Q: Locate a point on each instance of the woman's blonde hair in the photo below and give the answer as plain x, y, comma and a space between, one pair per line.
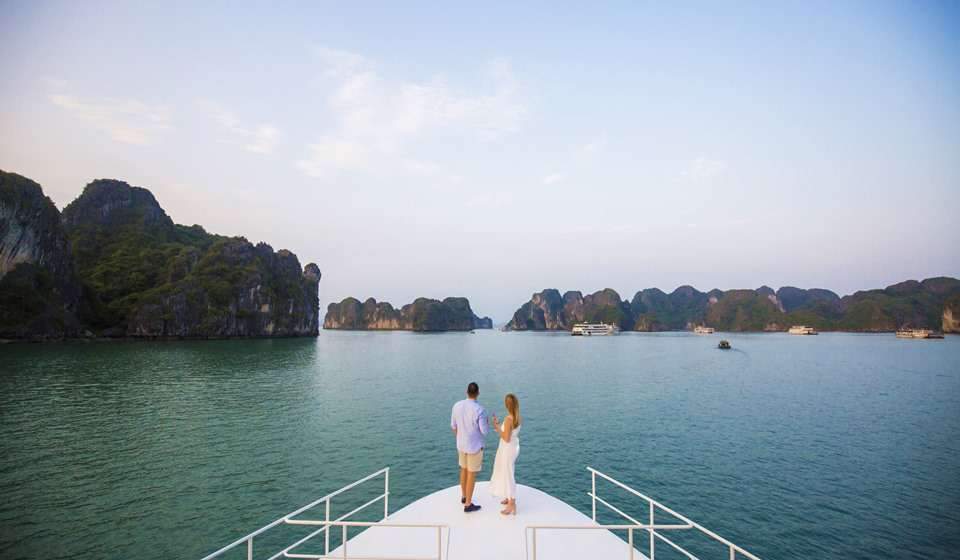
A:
513, 407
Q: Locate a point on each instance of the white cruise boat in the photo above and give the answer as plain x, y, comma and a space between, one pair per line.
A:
593, 329
701, 329
800, 329
918, 333
435, 527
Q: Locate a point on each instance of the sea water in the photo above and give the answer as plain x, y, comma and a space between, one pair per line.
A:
829, 446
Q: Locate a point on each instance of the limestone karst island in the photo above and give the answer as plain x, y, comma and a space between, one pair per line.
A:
423, 315
113, 264
933, 303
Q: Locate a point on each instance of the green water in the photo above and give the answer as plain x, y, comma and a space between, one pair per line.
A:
835, 446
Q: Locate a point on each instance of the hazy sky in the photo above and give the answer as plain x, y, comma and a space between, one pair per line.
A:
491, 151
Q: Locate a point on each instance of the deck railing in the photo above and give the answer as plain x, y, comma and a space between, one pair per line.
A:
343, 522
651, 527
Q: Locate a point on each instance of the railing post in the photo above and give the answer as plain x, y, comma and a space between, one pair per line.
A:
386, 494
326, 533
733, 553
344, 542
630, 541
250, 548
593, 492
652, 540
439, 543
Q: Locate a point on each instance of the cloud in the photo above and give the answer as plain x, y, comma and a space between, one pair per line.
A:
422, 168
553, 178
594, 146
332, 153
490, 200
128, 121
55, 83
261, 139
337, 62
703, 169
264, 140
387, 117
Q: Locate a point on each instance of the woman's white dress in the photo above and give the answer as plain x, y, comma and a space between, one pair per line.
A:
502, 483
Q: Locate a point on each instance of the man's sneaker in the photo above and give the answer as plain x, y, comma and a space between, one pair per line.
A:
471, 507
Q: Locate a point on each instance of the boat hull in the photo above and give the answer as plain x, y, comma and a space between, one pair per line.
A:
486, 533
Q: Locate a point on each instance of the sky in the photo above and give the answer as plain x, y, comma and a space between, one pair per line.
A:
493, 150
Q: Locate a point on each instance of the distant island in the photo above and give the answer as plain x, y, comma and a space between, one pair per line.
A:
933, 303
423, 315
113, 264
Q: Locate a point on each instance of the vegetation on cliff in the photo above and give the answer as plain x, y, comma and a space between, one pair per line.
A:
39, 292
908, 304
142, 275
654, 310
423, 315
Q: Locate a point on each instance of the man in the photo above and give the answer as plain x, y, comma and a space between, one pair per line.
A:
468, 420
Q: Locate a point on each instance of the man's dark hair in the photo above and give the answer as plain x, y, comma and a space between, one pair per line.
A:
473, 390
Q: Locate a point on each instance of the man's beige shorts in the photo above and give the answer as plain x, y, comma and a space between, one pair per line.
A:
473, 462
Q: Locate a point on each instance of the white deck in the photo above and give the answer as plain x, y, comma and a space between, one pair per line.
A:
486, 534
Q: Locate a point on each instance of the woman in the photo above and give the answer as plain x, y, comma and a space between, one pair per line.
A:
502, 483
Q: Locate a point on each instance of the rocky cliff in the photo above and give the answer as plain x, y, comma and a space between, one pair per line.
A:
350, 314
654, 310
950, 322
548, 310
266, 294
907, 304
39, 291
423, 315
142, 275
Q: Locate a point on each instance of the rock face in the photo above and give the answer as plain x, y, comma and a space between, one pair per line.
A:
268, 295
951, 315
544, 311
350, 314
654, 310
547, 310
39, 291
908, 304
141, 275
746, 310
423, 315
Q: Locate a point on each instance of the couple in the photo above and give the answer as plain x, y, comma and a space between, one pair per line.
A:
469, 422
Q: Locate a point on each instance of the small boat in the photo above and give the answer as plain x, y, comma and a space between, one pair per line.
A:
724, 345
918, 333
801, 329
701, 329
593, 329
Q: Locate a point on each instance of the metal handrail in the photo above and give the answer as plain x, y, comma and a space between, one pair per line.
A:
327, 523
532, 529
346, 524
249, 538
652, 528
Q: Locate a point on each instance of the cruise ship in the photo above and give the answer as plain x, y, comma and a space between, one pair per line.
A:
918, 333
700, 329
435, 527
593, 329
800, 329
